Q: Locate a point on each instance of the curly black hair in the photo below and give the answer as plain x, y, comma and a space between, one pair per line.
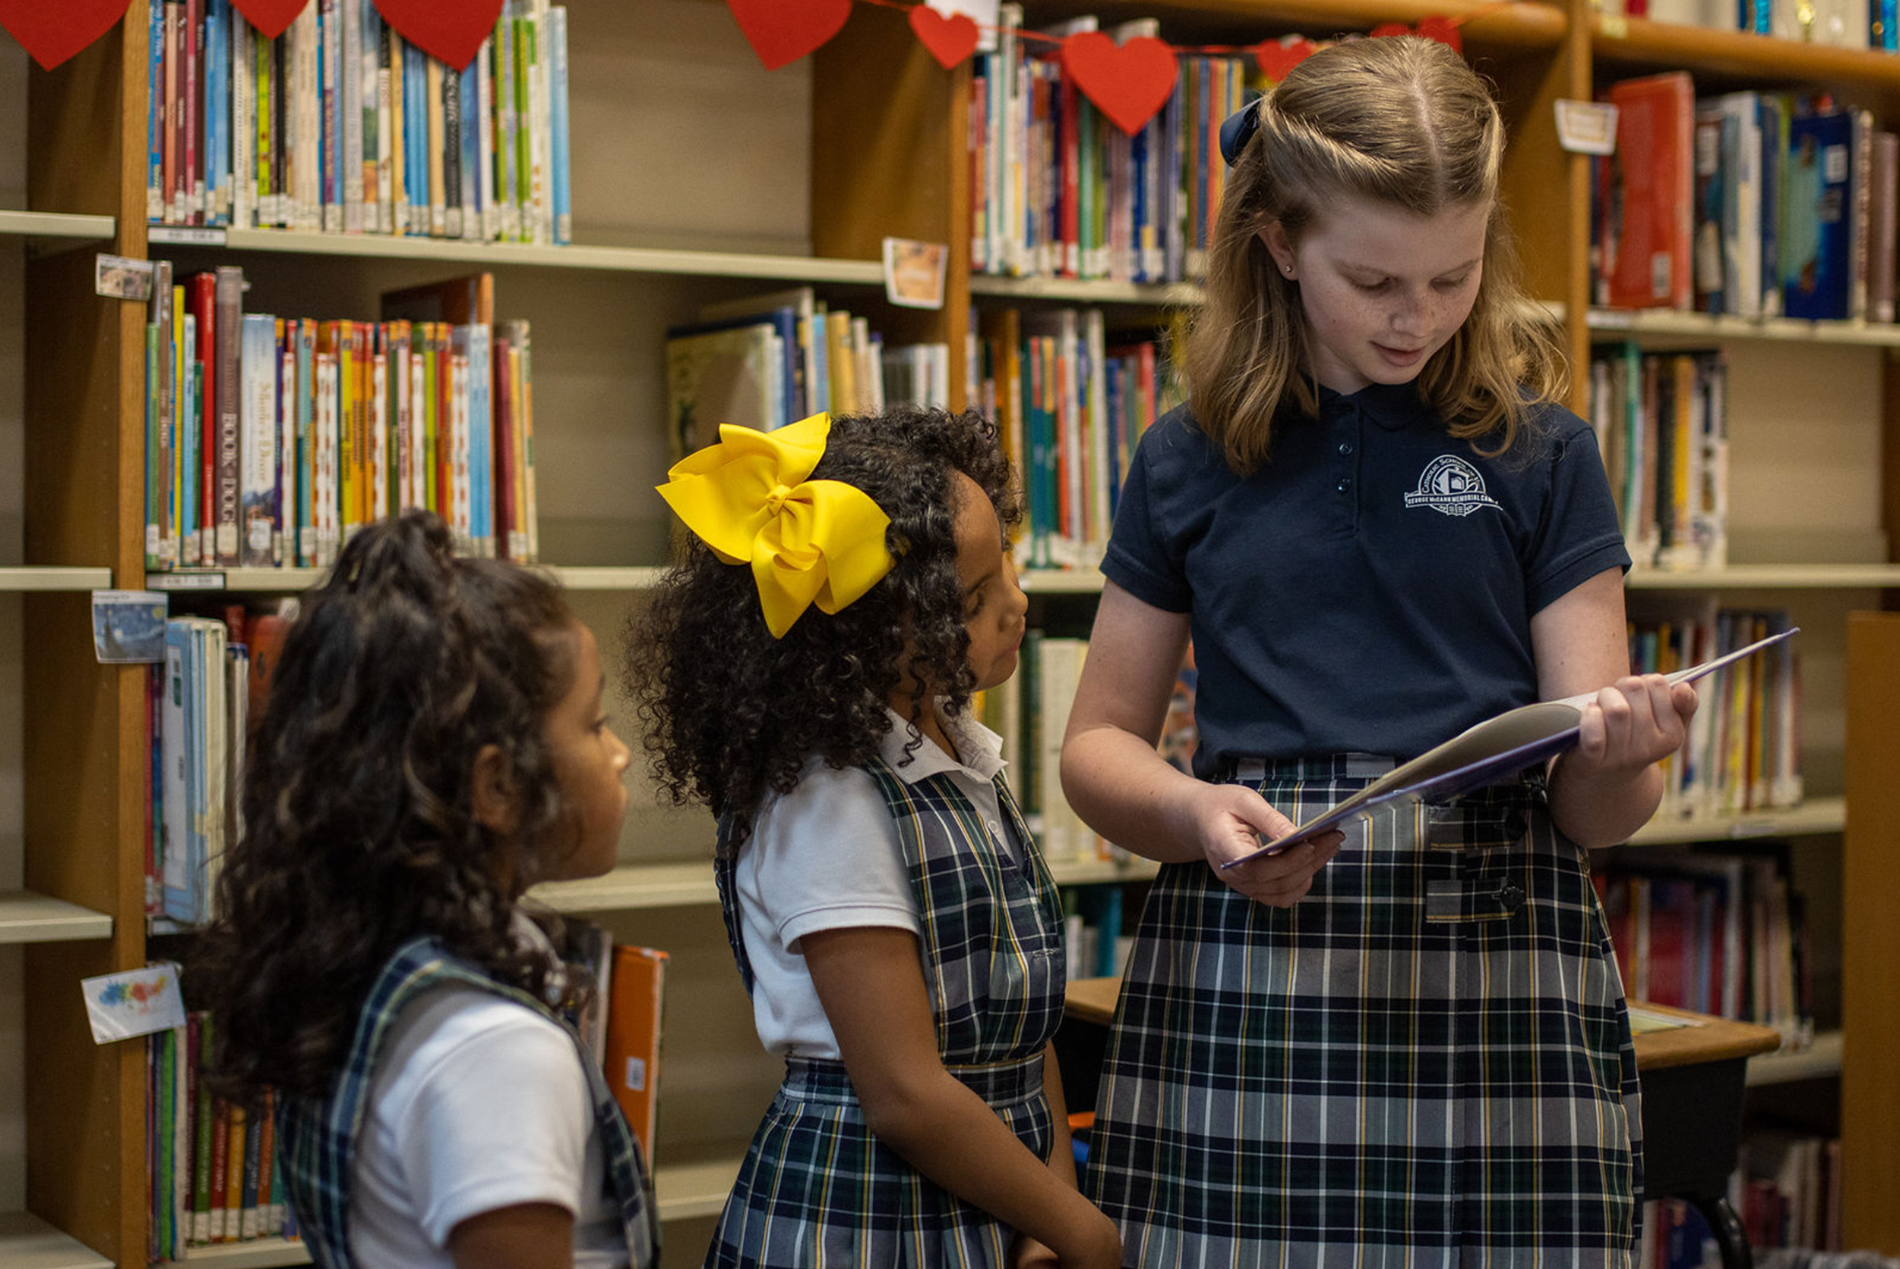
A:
729, 712
360, 829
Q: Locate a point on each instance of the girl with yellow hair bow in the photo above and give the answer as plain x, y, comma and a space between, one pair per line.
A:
806, 672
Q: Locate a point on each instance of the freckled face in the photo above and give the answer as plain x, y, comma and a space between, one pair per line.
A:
1382, 289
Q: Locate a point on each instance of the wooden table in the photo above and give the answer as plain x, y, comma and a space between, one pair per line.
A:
1692, 1079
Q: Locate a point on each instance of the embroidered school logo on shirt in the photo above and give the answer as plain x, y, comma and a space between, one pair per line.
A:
1451, 485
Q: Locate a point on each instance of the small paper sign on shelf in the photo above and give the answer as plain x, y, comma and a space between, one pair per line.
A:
128, 626
133, 1002
913, 272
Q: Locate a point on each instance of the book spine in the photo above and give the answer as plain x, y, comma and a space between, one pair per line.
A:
331, 40
438, 204
350, 112
484, 154
396, 55
452, 152
284, 519
376, 198
256, 398
191, 87
228, 322
562, 215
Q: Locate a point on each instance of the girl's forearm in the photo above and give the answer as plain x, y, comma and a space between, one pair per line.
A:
1124, 790
1596, 808
952, 1136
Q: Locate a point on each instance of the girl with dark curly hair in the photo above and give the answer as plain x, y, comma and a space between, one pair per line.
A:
432, 745
806, 671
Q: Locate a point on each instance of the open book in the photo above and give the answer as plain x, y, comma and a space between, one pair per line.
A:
1481, 755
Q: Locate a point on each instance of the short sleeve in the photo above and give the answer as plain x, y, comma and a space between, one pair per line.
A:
827, 856
1581, 534
1143, 555
501, 1118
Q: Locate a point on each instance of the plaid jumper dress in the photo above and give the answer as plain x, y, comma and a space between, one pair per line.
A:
316, 1137
1424, 1062
817, 1188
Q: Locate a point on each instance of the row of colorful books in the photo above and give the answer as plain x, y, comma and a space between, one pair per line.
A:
763, 361
1837, 23
1787, 1192
1059, 190
1661, 422
1752, 204
1096, 938
1717, 930
339, 124
213, 1166
200, 699
1743, 751
269, 440
1071, 401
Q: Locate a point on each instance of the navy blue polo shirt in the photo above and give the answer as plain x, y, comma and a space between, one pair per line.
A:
1370, 588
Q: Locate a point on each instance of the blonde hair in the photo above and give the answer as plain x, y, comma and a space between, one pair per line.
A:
1400, 120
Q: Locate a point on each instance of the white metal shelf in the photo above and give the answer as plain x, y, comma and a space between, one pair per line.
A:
27, 1242
714, 264
32, 224
37, 578
1079, 291
286, 580
26, 917
667, 885
1814, 815
1769, 577
1821, 1059
689, 1191
1671, 324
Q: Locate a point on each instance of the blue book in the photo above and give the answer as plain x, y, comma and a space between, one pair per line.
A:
559, 183
306, 534
1817, 262
415, 151
469, 144
215, 111
155, 112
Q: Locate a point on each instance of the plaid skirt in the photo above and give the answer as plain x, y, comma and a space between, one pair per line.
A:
1426, 1061
817, 1189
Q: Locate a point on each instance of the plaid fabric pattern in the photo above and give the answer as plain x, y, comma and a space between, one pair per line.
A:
817, 1188
1425, 1062
316, 1138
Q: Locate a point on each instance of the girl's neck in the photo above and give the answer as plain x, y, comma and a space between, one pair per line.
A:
930, 723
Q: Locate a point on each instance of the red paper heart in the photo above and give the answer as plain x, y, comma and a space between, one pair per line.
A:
1444, 30
54, 32
1276, 59
949, 37
451, 31
782, 31
1129, 83
271, 17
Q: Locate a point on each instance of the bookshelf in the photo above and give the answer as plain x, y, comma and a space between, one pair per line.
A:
706, 178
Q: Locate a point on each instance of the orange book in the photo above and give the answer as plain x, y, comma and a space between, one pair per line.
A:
632, 1054
1648, 232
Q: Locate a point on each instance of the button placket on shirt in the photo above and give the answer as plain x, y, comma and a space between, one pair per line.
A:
1347, 421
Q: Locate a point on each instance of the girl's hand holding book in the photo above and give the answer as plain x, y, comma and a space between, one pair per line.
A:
1639, 720
1232, 822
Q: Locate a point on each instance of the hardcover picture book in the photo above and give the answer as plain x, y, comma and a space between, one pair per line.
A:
1480, 755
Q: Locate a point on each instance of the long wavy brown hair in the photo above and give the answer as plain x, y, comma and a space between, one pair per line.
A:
1400, 120
360, 829
729, 712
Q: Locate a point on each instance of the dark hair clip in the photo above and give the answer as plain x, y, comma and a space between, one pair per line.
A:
1238, 130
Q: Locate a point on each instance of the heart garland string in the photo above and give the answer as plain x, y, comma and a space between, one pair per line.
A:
1128, 82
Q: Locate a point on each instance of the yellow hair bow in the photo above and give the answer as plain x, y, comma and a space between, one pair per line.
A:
808, 541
